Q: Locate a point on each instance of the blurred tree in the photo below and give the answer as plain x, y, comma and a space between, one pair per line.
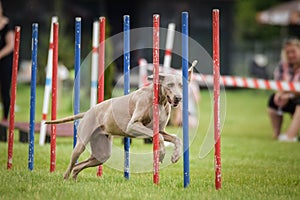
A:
110, 69
65, 42
66, 13
247, 28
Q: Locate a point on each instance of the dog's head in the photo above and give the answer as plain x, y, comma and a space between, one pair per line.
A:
171, 86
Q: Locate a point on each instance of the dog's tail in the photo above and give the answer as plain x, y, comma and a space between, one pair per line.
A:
66, 119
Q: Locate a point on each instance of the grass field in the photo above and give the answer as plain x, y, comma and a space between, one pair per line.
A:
254, 166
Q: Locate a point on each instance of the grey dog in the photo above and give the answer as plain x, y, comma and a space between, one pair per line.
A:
126, 116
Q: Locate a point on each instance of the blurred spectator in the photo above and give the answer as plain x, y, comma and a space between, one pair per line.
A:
258, 66
6, 56
286, 102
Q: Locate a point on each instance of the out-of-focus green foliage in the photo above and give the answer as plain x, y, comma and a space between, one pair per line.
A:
247, 28
66, 47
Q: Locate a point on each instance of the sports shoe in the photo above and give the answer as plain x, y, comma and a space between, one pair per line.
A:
284, 138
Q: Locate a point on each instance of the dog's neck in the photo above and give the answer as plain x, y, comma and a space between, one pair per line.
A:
162, 97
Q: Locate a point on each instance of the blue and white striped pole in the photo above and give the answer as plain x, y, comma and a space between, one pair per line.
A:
185, 112
77, 75
126, 29
32, 94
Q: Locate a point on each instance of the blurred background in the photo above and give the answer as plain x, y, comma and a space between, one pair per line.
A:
249, 46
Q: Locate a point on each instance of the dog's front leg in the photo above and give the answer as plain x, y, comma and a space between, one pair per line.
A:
138, 130
162, 149
177, 143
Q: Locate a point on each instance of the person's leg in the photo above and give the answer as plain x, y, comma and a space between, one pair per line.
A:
275, 118
294, 127
5, 77
276, 121
5, 89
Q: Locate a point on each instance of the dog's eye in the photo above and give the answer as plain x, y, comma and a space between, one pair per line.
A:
171, 85
180, 85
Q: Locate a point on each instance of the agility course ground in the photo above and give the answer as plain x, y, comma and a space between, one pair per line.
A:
254, 166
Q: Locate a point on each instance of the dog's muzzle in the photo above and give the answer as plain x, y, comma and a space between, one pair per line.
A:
175, 101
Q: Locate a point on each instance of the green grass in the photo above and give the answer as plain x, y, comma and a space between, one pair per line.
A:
254, 166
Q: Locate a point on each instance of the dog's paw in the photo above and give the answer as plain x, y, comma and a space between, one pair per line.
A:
175, 157
74, 177
66, 176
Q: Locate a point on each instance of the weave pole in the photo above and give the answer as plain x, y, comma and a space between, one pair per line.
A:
13, 93
101, 66
169, 47
48, 83
54, 97
77, 76
216, 73
156, 19
32, 95
126, 29
185, 105
94, 64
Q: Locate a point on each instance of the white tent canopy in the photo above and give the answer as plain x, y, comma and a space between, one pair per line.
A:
282, 14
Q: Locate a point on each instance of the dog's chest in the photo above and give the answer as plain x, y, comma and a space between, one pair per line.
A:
164, 115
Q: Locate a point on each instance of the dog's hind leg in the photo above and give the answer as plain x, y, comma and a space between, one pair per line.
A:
101, 146
79, 148
101, 151
90, 162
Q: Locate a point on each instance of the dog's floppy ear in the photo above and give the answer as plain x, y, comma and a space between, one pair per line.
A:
161, 77
191, 69
190, 73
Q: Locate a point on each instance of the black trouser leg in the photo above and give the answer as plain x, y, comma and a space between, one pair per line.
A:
5, 84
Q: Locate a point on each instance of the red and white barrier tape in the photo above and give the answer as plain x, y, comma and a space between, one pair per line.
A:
242, 82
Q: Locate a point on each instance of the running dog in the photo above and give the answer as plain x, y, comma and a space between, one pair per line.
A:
126, 116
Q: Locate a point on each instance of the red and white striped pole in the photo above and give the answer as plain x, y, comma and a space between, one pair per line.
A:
169, 47
54, 97
13, 94
216, 73
48, 83
101, 67
156, 20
